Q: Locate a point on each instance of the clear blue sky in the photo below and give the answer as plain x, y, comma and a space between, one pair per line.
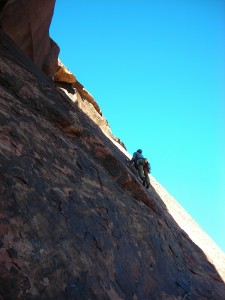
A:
157, 70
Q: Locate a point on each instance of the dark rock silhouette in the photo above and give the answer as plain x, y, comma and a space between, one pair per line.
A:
75, 221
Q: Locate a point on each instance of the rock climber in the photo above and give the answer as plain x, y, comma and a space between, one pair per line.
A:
143, 167
137, 160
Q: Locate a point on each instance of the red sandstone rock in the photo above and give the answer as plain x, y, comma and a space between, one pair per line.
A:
62, 74
67, 82
27, 23
75, 221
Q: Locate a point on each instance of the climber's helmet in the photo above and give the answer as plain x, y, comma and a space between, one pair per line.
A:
139, 150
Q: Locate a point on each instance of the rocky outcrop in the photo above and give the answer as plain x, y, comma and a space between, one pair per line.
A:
67, 82
62, 74
76, 223
27, 23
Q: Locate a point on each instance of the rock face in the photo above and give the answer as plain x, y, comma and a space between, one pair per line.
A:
67, 82
76, 223
62, 74
27, 23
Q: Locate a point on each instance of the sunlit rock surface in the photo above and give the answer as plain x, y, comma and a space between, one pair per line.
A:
67, 82
62, 74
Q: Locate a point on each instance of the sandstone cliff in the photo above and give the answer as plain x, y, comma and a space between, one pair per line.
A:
76, 222
84, 100
27, 23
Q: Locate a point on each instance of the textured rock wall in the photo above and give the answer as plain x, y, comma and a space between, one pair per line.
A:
76, 223
27, 23
68, 83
